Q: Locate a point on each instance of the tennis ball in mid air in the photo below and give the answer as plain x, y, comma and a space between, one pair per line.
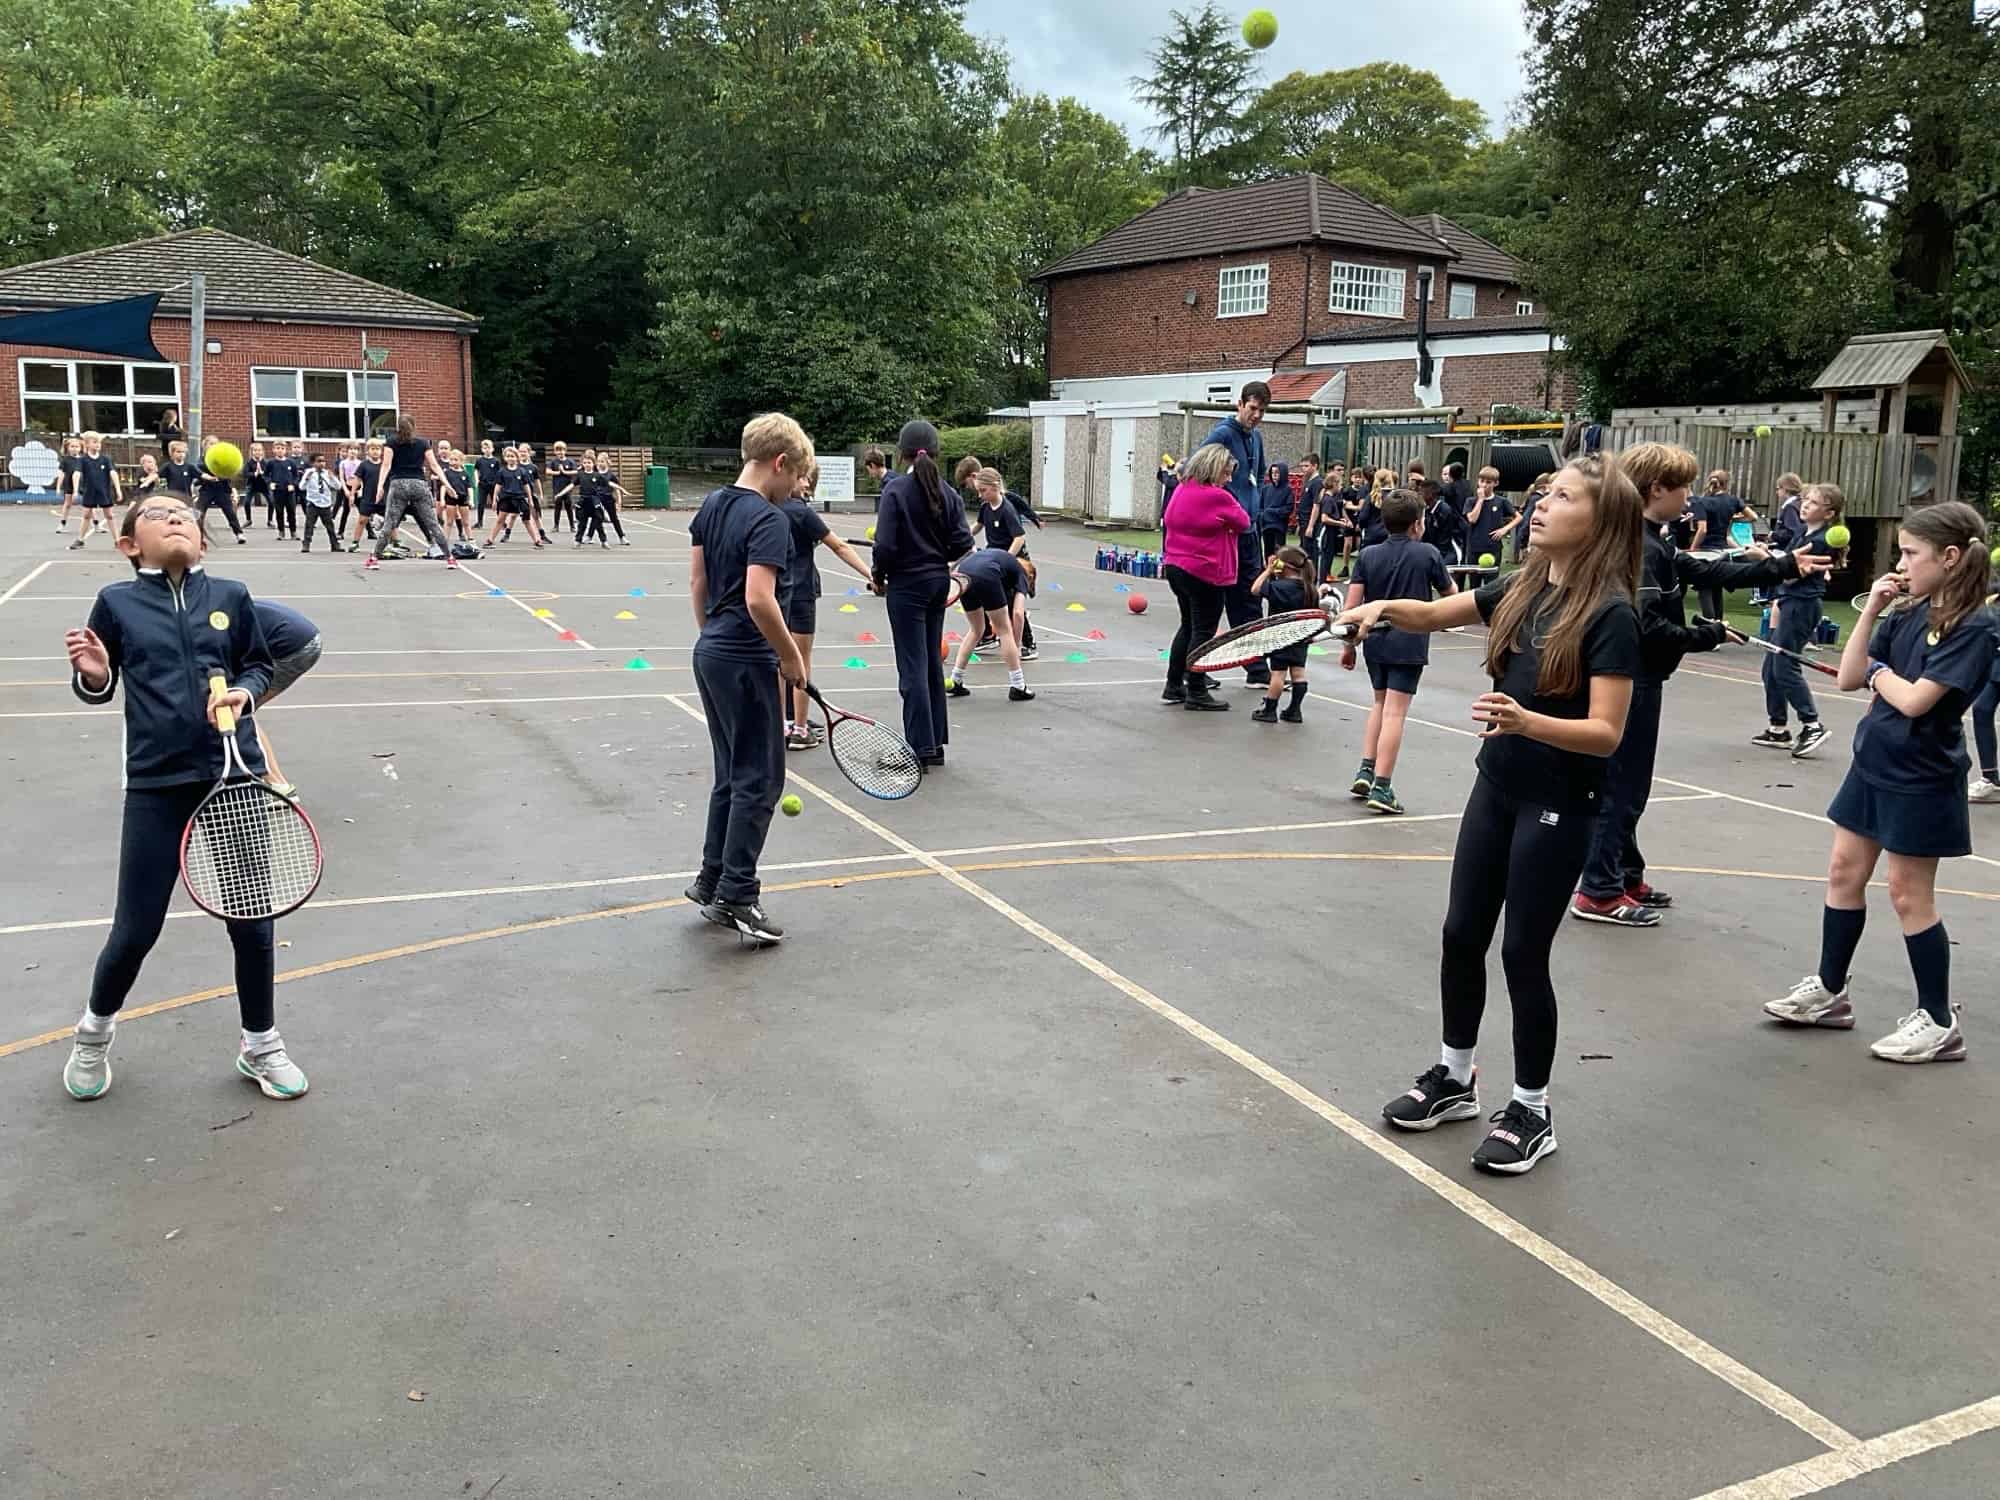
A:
1994, 557
790, 805
224, 460
1488, 560
871, 533
1260, 29
1838, 536
1763, 429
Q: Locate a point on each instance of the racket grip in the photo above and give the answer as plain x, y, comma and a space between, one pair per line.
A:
225, 718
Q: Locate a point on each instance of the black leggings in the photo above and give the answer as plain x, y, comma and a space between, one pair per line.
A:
610, 508
148, 865
1201, 612
227, 506
589, 521
1541, 860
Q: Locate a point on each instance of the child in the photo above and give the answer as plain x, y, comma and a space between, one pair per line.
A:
1287, 583
1714, 514
1488, 519
485, 470
257, 486
149, 483
1795, 617
1528, 503
320, 490
876, 462
1786, 527
741, 546
515, 487
799, 591
997, 588
1986, 786
171, 626
213, 491
1368, 516
181, 476
454, 493
94, 482
1274, 508
365, 490
563, 471
1403, 567
1905, 788
1444, 522
1311, 487
590, 501
1562, 648
920, 532
610, 495
72, 451
1001, 515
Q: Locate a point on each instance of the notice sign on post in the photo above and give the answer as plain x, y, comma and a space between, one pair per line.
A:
836, 480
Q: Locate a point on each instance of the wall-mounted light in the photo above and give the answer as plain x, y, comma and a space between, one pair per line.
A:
1192, 298
213, 346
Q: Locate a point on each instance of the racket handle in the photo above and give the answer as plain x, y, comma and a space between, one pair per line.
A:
225, 718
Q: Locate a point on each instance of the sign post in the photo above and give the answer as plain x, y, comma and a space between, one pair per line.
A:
836, 480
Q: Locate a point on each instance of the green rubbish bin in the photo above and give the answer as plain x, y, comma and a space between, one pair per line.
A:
658, 495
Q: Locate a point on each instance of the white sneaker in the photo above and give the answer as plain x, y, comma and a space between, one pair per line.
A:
1983, 790
271, 1070
1811, 1003
87, 1074
1919, 1039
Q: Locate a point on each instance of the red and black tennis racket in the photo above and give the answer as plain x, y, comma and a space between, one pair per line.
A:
1257, 640
875, 757
1776, 650
249, 852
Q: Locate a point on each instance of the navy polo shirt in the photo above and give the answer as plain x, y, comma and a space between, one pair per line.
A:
1400, 568
1925, 754
737, 529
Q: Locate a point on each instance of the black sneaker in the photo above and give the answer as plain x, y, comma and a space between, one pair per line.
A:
748, 918
1437, 1099
1519, 1138
1810, 736
1020, 695
1266, 712
1204, 703
1773, 739
1029, 653
702, 896
957, 689
1292, 716
1173, 695
1364, 780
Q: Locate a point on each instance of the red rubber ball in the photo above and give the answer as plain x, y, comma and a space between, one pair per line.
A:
1136, 603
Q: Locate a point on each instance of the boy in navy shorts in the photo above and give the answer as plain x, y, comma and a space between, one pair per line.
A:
1403, 567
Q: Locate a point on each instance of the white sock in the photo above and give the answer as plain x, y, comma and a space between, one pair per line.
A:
259, 1038
1535, 1099
1458, 1063
1017, 678
97, 1025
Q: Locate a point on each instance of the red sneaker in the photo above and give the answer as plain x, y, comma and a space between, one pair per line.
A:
1615, 910
371, 562
1641, 894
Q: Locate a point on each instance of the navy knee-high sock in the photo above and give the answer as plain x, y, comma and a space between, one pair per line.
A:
1930, 961
1839, 936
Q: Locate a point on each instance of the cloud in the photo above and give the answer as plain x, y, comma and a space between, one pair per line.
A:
1092, 48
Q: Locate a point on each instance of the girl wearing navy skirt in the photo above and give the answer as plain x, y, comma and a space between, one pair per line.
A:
1923, 647
1287, 583
1562, 648
920, 532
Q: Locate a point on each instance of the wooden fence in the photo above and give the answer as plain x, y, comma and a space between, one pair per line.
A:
1881, 477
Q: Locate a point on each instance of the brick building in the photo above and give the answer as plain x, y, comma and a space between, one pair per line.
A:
1303, 279
293, 349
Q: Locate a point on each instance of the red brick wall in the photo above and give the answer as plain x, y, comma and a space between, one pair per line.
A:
1474, 382
433, 368
1135, 321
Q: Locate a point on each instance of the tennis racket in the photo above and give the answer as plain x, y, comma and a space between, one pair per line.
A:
876, 758
249, 852
1258, 639
1776, 650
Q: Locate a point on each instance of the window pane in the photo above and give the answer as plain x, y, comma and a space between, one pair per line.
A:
1464, 299
37, 376
153, 380
146, 414
378, 422
376, 390
101, 416
278, 421
1524, 309
275, 385
1242, 291
1377, 290
327, 422
47, 416
99, 380
322, 385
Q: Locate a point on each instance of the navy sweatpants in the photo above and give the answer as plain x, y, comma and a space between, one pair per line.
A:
746, 730
1784, 679
916, 625
1615, 863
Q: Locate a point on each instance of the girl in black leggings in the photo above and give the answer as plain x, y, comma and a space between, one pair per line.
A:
1562, 648
171, 627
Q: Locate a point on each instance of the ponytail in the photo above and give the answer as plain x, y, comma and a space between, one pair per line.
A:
918, 444
1953, 523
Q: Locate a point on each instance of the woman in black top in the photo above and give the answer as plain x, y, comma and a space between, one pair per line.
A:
920, 532
404, 488
170, 431
1562, 648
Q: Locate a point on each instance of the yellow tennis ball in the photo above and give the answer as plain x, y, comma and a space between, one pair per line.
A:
224, 460
1763, 429
1838, 536
790, 805
1260, 29
871, 533
950, 683
1994, 557
1488, 560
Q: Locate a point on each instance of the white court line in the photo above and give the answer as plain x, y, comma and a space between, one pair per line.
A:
32, 576
1640, 1314
1792, 812
1827, 1470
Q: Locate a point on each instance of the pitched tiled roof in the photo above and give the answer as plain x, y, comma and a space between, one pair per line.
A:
1299, 386
1223, 221
1477, 258
244, 279
1440, 328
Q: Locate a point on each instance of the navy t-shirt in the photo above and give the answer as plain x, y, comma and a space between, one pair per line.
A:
1925, 754
514, 480
808, 529
366, 474
1495, 513
1000, 523
286, 631
1719, 511
737, 529
485, 469
93, 479
181, 478
1400, 568
1812, 543
1283, 595
995, 566
1535, 772
211, 489
563, 472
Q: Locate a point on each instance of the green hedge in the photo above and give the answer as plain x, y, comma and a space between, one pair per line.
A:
1004, 446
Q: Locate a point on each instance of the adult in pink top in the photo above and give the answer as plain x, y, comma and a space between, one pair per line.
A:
1202, 522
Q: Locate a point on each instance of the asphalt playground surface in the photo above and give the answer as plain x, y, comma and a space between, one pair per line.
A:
1042, 1159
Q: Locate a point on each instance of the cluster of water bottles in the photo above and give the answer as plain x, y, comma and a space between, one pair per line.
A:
1128, 560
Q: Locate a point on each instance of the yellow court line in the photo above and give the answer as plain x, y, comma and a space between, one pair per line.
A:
1641, 1315
1828, 1470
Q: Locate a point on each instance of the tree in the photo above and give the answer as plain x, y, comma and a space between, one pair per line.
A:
820, 209
1502, 191
1377, 128
95, 99
1070, 175
452, 148
1200, 87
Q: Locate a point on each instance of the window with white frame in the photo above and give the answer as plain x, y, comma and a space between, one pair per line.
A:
323, 403
1374, 291
1243, 291
1464, 300
91, 395
1524, 309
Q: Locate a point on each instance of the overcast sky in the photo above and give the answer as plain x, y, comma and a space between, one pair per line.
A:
1092, 48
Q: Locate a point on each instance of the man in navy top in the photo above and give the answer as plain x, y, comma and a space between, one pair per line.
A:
1245, 443
742, 545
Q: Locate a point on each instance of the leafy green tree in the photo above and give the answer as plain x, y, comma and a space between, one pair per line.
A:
95, 104
1502, 191
1070, 175
1200, 85
820, 209
1376, 128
